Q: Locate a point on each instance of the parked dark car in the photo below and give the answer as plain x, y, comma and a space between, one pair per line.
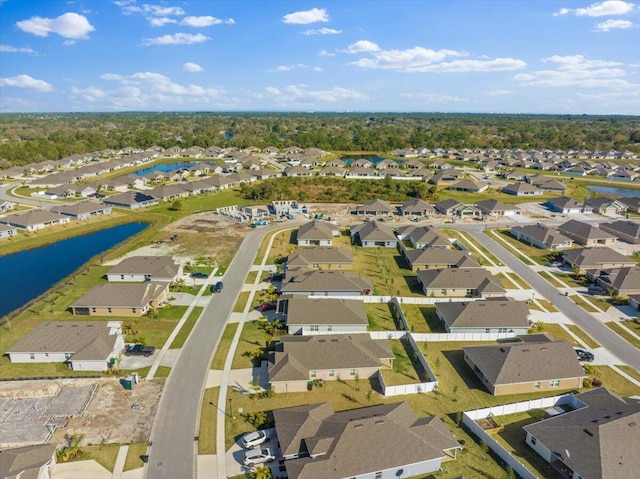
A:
584, 355
199, 275
267, 306
216, 288
139, 350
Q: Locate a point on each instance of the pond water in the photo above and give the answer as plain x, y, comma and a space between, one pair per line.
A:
351, 158
164, 168
27, 274
610, 190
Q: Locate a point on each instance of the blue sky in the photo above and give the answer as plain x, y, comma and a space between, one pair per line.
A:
554, 56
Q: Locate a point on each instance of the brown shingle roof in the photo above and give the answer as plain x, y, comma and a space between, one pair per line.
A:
121, 295
315, 230
155, 266
303, 257
492, 313
441, 257
373, 231
26, 461
330, 281
303, 310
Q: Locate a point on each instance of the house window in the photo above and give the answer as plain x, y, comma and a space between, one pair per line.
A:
554, 383
502, 330
329, 328
487, 330
536, 385
378, 475
533, 441
32, 356
332, 373
352, 373
314, 327
67, 356
122, 276
133, 310
312, 373
109, 310
93, 310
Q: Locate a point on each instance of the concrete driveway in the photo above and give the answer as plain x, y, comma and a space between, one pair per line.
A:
235, 455
75, 470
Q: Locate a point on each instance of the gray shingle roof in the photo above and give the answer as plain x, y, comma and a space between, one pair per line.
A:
315, 230
520, 187
303, 310
586, 231
330, 281
26, 460
425, 234
441, 257
33, 217
630, 228
542, 233
79, 208
373, 231
595, 258
460, 278
358, 441
377, 206
155, 266
295, 356
492, 313
495, 206
303, 257
526, 362
595, 441
121, 295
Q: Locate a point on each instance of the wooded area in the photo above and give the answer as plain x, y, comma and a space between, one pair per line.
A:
27, 138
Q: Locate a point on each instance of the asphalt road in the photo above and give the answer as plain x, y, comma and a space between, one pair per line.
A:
626, 352
173, 448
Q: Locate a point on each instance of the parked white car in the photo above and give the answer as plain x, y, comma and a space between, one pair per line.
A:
254, 438
253, 457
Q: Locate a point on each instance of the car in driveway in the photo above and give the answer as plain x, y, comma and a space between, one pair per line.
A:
253, 457
199, 275
216, 288
267, 306
555, 264
139, 350
254, 438
584, 355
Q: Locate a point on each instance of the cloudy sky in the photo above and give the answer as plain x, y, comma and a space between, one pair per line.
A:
553, 56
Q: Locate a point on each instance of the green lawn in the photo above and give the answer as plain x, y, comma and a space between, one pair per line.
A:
385, 267
223, 347
612, 380
521, 250
134, 456
253, 337
422, 319
208, 421
547, 305
518, 280
473, 247
404, 371
104, 455
251, 277
188, 325
505, 281
623, 333
630, 371
551, 279
588, 340
241, 302
583, 304
283, 245
380, 317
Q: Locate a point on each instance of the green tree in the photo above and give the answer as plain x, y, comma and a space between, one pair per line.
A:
176, 205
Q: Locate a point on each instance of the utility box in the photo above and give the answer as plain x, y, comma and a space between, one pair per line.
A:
127, 383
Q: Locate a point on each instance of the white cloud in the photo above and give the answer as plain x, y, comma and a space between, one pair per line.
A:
155, 82
305, 17
287, 68
603, 9
160, 21
176, 39
419, 59
10, 49
27, 83
191, 67
362, 46
318, 69
322, 31
68, 25
325, 53
500, 92
299, 95
613, 24
576, 71
151, 10
205, 21
435, 98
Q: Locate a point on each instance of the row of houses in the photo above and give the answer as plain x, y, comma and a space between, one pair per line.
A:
34, 220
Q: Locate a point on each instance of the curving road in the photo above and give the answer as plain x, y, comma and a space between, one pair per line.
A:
173, 450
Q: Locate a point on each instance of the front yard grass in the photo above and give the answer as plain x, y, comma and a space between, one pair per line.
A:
630, 371
241, 302
523, 250
588, 340
252, 339
380, 317
505, 281
583, 304
518, 280
134, 456
476, 249
223, 347
558, 332
422, 318
251, 277
547, 305
612, 380
105, 455
551, 279
208, 421
188, 325
284, 243
623, 333
403, 371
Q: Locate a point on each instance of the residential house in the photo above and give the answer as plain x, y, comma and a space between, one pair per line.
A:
131, 200
375, 207
333, 171
446, 177
82, 210
321, 257
497, 208
587, 234
625, 230
606, 206
417, 208
584, 259
384, 441
323, 315
461, 282
453, 207
324, 283
591, 442
547, 183
266, 173
423, 237
299, 359
362, 172
298, 171
495, 315
6, 206
567, 206
84, 345
168, 192
317, 233
119, 299
34, 220
623, 282
138, 269
539, 363
436, 258
373, 233
29, 462
631, 202
541, 236
470, 186
7, 231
